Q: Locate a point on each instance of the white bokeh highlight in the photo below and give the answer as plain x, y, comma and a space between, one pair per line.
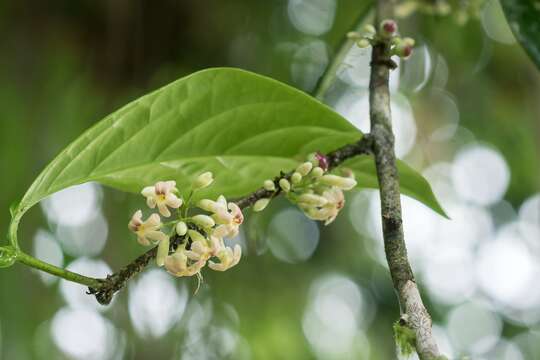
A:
480, 174
155, 304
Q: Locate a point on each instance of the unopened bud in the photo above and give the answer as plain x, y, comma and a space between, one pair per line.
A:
369, 30
338, 181
196, 236
260, 204
317, 172
364, 43
311, 199
304, 168
203, 180
203, 221
269, 185
285, 185
207, 205
296, 177
388, 28
354, 35
404, 49
408, 41
322, 160
181, 228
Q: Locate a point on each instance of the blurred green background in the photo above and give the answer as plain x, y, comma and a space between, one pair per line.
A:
466, 113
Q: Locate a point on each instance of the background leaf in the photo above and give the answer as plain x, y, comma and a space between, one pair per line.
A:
242, 126
411, 182
524, 19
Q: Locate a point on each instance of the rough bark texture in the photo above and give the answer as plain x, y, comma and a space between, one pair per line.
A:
115, 282
414, 313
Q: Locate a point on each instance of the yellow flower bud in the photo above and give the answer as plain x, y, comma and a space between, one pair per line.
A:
304, 168
203, 221
296, 177
269, 185
317, 172
338, 181
285, 185
196, 236
203, 180
261, 204
181, 228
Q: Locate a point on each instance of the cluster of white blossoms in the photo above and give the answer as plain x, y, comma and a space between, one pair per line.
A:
388, 33
203, 233
317, 193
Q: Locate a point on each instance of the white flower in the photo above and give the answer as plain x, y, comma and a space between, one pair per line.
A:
203, 180
327, 213
228, 216
227, 258
147, 231
162, 196
199, 251
162, 251
177, 264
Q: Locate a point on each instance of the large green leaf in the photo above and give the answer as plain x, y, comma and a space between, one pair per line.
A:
411, 182
524, 19
242, 126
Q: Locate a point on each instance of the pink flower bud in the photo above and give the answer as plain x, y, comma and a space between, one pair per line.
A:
323, 160
388, 28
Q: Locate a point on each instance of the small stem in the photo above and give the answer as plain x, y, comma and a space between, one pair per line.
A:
329, 77
188, 202
54, 270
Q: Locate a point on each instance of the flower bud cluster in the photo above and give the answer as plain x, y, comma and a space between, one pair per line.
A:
204, 233
318, 193
387, 33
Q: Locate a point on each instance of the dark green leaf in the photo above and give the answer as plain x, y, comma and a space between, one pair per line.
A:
524, 19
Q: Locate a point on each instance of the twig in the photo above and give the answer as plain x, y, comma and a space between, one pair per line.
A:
414, 313
329, 77
115, 282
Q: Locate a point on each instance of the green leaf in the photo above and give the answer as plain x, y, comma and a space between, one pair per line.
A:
411, 182
524, 19
242, 126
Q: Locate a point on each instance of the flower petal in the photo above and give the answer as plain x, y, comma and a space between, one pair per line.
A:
162, 252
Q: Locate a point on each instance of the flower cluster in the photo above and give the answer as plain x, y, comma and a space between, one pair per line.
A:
203, 233
388, 34
318, 193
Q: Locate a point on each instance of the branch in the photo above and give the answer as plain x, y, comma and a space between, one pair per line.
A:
414, 314
115, 282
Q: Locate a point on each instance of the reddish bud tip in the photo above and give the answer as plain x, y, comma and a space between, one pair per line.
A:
323, 160
389, 27
407, 51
